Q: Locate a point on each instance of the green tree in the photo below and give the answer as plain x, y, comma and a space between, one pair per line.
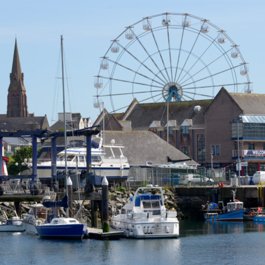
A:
16, 162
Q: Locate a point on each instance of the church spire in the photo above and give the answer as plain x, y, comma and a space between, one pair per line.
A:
17, 98
16, 68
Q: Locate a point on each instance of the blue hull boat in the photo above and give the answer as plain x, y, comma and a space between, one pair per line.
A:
62, 227
233, 211
259, 218
236, 215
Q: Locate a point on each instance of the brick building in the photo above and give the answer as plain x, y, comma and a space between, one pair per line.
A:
215, 133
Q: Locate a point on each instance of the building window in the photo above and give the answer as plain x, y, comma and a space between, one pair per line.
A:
215, 149
200, 147
251, 146
185, 129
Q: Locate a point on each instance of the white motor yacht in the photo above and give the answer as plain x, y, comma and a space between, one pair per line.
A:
145, 216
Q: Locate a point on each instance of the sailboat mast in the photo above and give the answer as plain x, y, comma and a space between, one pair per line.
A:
64, 116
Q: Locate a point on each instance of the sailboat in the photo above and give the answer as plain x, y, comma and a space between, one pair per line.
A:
62, 227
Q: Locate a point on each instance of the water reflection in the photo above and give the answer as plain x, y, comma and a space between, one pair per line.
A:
199, 227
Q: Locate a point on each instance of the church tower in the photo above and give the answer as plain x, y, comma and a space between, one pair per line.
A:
17, 98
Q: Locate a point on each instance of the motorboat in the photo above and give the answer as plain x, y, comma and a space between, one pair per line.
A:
145, 215
37, 214
259, 215
10, 224
250, 213
106, 160
62, 227
14, 224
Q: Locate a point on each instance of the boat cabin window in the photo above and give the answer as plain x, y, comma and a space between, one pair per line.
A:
70, 157
232, 206
151, 204
82, 159
96, 158
72, 221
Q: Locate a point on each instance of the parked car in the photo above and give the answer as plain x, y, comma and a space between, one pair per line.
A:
195, 179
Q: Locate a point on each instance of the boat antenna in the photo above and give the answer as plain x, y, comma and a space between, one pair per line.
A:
64, 120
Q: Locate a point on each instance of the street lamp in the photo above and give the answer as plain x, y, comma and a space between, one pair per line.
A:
239, 119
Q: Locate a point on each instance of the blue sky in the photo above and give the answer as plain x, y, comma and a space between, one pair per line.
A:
88, 28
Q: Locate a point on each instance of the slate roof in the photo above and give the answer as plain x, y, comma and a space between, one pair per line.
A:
143, 115
145, 146
250, 103
110, 121
23, 123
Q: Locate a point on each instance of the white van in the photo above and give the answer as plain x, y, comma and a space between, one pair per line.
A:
259, 177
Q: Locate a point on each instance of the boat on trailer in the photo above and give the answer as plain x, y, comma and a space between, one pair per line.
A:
145, 216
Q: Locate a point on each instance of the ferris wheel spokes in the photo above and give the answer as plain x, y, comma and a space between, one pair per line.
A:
169, 57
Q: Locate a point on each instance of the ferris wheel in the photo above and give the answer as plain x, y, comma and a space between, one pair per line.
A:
169, 57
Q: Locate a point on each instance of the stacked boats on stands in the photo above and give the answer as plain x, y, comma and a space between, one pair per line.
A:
106, 160
145, 215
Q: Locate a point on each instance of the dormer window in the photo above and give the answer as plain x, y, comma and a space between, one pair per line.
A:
185, 126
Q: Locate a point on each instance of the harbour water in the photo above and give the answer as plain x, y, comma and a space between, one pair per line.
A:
199, 243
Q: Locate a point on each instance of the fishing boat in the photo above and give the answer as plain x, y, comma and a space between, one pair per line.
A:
145, 216
232, 211
259, 218
14, 224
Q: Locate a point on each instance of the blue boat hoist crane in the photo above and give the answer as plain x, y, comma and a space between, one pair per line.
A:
44, 135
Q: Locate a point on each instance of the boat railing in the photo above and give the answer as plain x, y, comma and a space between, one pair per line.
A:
137, 215
171, 214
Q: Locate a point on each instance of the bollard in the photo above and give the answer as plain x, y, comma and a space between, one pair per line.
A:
105, 208
70, 195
